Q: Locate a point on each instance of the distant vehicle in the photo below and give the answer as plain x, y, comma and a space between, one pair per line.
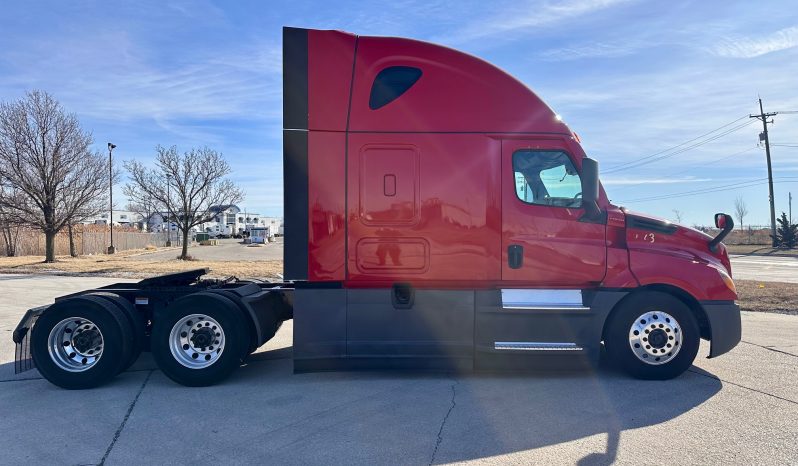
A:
259, 235
439, 215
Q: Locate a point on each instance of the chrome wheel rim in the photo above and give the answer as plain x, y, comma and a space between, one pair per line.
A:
75, 344
655, 337
196, 341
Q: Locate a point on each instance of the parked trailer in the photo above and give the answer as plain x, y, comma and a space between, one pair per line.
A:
438, 215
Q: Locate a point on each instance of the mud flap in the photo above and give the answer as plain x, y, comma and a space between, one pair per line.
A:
23, 361
725, 327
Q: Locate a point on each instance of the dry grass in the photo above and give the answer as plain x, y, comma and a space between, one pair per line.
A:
118, 265
760, 250
781, 298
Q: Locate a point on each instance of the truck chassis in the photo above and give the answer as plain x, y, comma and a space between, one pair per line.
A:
84, 339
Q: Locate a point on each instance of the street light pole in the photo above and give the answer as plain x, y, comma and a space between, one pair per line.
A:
168, 213
111, 147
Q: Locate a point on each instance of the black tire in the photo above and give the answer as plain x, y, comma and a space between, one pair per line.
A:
619, 328
116, 347
236, 338
253, 335
137, 325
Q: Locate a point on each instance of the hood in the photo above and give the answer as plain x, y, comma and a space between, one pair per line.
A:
655, 234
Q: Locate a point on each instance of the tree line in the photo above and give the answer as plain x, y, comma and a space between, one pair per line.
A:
52, 179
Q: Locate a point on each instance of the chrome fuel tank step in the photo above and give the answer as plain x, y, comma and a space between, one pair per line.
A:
535, 346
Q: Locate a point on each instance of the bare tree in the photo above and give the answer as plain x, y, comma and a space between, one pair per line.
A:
10, 224
678, 215
147, 207
46, 157
740, 210
189, 186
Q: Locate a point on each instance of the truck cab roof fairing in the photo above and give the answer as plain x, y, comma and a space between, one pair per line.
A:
457, 92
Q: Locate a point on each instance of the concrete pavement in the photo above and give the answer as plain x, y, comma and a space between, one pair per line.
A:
739, 408
763, 268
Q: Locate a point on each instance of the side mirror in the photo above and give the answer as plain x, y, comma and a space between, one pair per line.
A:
721, 220
726, 223
590, 188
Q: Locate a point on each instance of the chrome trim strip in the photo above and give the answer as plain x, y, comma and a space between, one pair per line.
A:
547, 308
535, 346
541, 299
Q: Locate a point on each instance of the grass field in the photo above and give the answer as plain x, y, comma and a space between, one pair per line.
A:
120, 265
754, 296
760, 250
781, 298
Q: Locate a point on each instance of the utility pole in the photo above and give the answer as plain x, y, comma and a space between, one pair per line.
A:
790, 208
168, 213
764, 137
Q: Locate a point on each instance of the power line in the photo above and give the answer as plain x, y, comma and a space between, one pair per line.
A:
680, 145
726, 157
728, 187
668, 154
697, 191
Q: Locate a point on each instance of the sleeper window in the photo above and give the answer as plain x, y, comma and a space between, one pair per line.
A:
546, 178
391, 83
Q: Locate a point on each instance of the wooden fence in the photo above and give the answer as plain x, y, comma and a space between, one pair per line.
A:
89, 240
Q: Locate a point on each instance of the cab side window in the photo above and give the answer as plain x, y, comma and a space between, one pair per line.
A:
546, 178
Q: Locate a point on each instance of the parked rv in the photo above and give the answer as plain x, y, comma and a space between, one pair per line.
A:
438, 214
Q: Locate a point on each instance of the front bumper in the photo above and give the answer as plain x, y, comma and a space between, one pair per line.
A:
725, 328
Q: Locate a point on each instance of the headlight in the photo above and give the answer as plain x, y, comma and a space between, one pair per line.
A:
727, 279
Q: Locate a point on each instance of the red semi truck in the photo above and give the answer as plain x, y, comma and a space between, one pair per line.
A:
438, 214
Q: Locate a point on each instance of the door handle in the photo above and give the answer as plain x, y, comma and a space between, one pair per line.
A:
402, 296
515, 256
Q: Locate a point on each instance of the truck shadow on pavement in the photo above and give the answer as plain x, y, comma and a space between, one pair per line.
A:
484, 415
265, 411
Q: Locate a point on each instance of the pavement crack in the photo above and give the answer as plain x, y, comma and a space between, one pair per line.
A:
770, 348
443, 422
124, 421
743, 386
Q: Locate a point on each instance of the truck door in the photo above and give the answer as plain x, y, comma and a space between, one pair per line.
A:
545, 240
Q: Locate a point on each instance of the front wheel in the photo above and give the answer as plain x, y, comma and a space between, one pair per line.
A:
200, 339
652, 335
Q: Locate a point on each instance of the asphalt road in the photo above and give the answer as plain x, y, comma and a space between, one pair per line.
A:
739, 408
226, 250
767, 269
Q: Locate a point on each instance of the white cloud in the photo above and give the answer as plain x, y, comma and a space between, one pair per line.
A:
634, 181
110, 76
594, 50
529, 15
749, 47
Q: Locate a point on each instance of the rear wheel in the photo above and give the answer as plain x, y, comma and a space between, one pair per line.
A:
200, 339
137, 325
652, 335
80, 342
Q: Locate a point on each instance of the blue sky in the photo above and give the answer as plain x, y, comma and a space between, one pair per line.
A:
631, 77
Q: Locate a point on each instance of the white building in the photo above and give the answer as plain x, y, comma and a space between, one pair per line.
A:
120, 218
229, 221
158, 224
